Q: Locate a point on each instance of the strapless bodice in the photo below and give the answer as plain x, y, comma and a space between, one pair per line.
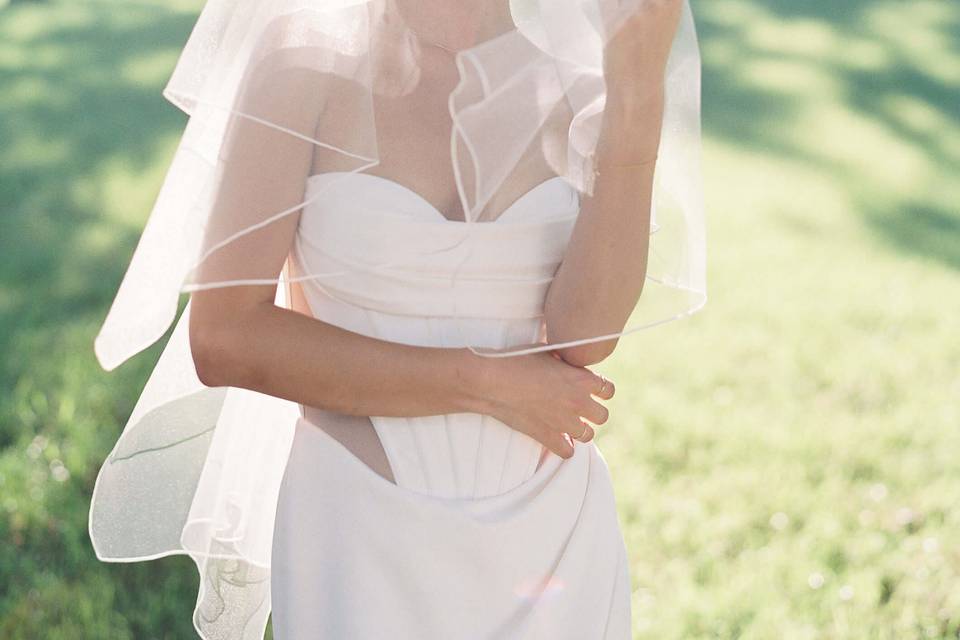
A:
394, 252
382, 258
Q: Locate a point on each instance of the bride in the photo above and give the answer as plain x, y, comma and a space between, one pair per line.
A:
447, 279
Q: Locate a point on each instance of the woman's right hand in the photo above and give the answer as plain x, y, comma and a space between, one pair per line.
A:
546, 398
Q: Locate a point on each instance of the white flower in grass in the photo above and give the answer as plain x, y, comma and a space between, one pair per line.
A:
815, 580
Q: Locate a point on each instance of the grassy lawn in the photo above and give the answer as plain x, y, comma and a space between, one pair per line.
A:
787, 461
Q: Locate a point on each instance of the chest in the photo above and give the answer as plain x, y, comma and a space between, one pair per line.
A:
416, 148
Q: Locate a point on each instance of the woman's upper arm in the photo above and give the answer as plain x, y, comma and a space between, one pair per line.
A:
261, 174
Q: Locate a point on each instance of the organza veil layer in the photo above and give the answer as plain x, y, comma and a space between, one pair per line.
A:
276, 91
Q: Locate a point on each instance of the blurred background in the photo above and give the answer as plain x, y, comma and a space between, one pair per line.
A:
787, 461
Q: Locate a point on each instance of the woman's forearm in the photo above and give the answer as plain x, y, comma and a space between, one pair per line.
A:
290, 355
604, 267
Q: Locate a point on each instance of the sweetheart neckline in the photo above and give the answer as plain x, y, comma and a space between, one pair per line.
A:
439, 214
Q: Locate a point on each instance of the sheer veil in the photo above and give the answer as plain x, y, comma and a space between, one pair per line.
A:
273, 89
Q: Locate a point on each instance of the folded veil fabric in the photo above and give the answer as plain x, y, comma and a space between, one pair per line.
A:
273, 89
289, 78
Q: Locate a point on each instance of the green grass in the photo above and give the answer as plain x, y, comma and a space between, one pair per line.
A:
787, 461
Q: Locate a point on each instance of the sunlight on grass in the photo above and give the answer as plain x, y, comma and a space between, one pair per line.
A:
153, 68
786, 461
921, 37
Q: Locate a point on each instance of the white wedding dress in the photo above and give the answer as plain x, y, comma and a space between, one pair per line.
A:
486, 534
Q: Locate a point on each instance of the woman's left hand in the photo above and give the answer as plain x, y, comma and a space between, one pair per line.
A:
635, 58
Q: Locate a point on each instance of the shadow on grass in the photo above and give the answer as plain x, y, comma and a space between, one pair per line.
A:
74, 108
63, 122
898, 67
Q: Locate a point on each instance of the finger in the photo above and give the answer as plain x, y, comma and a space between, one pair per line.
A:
596, 412
561, 444
579, 430
603, 387
588, 434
